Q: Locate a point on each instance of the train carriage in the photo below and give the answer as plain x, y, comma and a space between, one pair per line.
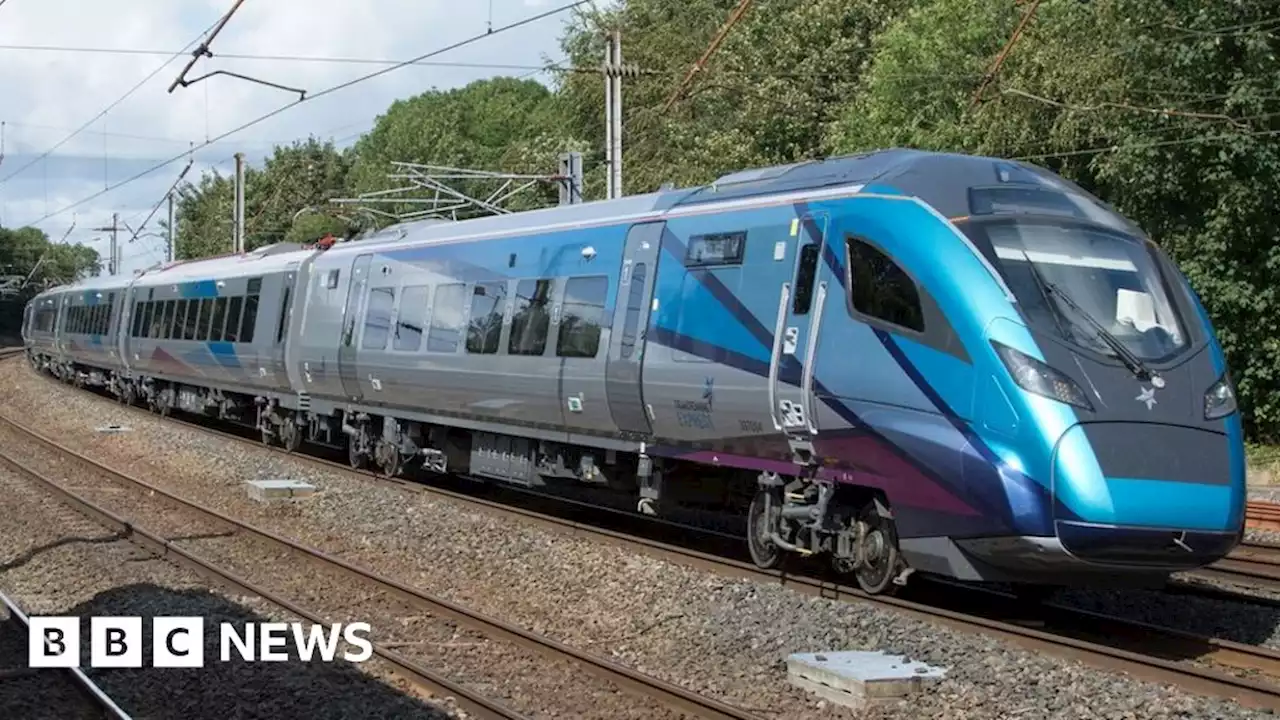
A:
906, 361
209, 336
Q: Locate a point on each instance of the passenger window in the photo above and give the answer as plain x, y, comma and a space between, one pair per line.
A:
135, 326
583, 313
154, 310
377, 318
531, 322
250, 318
446, 318
179, 320
164, 313
219, 319
881, 289
233, 319
413, 311
193, 319
805, 275
204, 320
284, 316
488, 303
635, 301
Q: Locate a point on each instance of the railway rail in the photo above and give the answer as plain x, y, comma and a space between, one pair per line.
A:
97, 703
1159, 654
1261, 515
1256, 565
672, 695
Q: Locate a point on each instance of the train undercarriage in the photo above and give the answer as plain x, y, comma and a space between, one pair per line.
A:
785, 516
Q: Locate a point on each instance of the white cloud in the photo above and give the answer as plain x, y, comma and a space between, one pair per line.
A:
44, 95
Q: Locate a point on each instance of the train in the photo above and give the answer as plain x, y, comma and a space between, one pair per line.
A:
896, 362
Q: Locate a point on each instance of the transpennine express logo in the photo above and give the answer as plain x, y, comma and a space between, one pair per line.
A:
179, 642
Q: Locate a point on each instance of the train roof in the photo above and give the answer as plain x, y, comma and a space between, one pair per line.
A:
943, 180
262, 261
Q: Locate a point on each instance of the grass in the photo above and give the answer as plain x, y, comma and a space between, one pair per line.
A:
1264, 459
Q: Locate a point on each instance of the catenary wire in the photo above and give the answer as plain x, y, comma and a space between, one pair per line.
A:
327, 91
108, 109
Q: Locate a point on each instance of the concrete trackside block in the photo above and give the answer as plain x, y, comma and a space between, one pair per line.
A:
114, 429
856, 679
266, 490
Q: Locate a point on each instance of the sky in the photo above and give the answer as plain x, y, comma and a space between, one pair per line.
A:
45, 95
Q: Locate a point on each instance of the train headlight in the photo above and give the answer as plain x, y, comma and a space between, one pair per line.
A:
1036, 377
1220, 400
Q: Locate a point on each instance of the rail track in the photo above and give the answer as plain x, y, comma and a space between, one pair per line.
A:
1256, 565
674, 696
1165, 655
95, 703
1262, 515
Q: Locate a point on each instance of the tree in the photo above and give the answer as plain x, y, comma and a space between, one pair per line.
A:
782, 75
204, 214
501, 124
29, 262
1169, 111
306, 174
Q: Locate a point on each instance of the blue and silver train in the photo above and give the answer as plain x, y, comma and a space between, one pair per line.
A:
905, 361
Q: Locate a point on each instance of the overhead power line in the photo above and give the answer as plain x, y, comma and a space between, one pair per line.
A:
734, 17
108, 109
327, 91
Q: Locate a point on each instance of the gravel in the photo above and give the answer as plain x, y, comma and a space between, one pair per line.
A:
725, 637
41, 694
55, 562
520, 678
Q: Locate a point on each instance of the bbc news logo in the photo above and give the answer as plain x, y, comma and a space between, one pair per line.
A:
179, 642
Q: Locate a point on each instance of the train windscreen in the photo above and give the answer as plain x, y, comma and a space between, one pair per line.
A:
1066, 274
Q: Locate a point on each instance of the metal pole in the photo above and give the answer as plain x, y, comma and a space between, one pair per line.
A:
608, 117
616, 167
113, 265
239, 220
168, 243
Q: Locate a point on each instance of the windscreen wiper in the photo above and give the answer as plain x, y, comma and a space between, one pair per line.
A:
1127, 356
1042, 286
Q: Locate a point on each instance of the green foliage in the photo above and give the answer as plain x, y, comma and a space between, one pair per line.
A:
204, 212
304, 175
22, 251
781, 76
1167, 111
310, 228
501, 124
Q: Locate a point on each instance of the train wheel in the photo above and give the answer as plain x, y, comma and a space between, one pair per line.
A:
290, 436
764, 553
389, 459
880, 550
355, 457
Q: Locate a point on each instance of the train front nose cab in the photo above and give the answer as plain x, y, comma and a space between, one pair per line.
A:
1127, 388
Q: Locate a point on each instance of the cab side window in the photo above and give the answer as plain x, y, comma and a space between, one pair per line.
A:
880, 289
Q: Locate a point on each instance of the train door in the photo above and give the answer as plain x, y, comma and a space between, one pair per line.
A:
624, 368
799, 319
357, 289
281, 330
129, 322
